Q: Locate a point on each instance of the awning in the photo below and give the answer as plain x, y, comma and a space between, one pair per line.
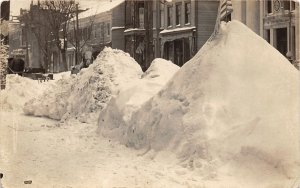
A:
177, 33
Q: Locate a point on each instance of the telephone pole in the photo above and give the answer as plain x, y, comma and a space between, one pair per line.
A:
76, 37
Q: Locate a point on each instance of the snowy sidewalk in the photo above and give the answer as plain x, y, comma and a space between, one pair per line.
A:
44, 151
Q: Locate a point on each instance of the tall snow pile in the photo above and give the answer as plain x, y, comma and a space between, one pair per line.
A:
231, 112
19, 90
113, 119
84, 95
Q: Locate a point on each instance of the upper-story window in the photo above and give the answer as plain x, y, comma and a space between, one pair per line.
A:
162, 18
178, 13
84, 33
89, 32
23, 37
169, 14
108, 28
187, 12
102, 31
293, 5
286, 5
128, 14
269, 6
141, 17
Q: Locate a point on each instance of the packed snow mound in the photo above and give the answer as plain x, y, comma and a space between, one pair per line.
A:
231, 112
160, 70
113, 119
19, 90
84, 95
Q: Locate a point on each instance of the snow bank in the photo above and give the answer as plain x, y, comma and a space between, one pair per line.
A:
231, 112
85, 94
114, 118
19, 90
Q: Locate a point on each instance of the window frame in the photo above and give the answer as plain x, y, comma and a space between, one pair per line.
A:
169, 16
108, 28
162, 15
178, 8
187, 15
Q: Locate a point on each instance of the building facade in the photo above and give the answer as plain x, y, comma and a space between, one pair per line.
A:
138, 31
173, 29
23, 41
97, 28
277, 21
182, 27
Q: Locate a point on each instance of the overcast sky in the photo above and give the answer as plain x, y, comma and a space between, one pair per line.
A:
16, 5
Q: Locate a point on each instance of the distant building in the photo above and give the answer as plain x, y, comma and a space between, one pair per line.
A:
22, 41
99, 26
277, 21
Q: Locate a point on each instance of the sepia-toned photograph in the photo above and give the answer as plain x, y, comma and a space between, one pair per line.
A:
149, 94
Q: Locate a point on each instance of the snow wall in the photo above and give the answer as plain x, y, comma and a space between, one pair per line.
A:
121, 107
231, 112
19, 90
82, 96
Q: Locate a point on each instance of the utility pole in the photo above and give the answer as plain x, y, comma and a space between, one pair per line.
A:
76, 37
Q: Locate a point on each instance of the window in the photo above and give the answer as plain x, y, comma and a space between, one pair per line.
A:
293, 41
128, 15
85, 33
162, 18
23, 37
268, 36
169, 12
286, 5
293, 5
88, 32
269, 6
108, 28
102, 31
141, 17
178, 13
187, 13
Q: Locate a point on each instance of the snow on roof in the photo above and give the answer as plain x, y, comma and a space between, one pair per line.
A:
176, 30
96, 7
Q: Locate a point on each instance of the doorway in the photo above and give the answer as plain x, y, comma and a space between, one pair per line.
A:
282, 40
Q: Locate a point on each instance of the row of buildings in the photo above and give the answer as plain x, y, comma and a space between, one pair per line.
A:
171, 29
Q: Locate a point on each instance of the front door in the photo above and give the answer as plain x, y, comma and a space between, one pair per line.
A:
282, 40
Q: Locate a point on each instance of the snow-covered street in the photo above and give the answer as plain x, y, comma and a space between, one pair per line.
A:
216, 122
57, 155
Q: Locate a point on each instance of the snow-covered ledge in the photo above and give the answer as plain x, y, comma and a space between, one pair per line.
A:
177, 30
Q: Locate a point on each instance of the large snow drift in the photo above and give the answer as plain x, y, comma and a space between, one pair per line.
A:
121, 107
232, 113
84, 95
19, 90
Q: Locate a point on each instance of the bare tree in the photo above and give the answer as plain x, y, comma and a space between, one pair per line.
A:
58, 14
75, 38
49, 24
34, 22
